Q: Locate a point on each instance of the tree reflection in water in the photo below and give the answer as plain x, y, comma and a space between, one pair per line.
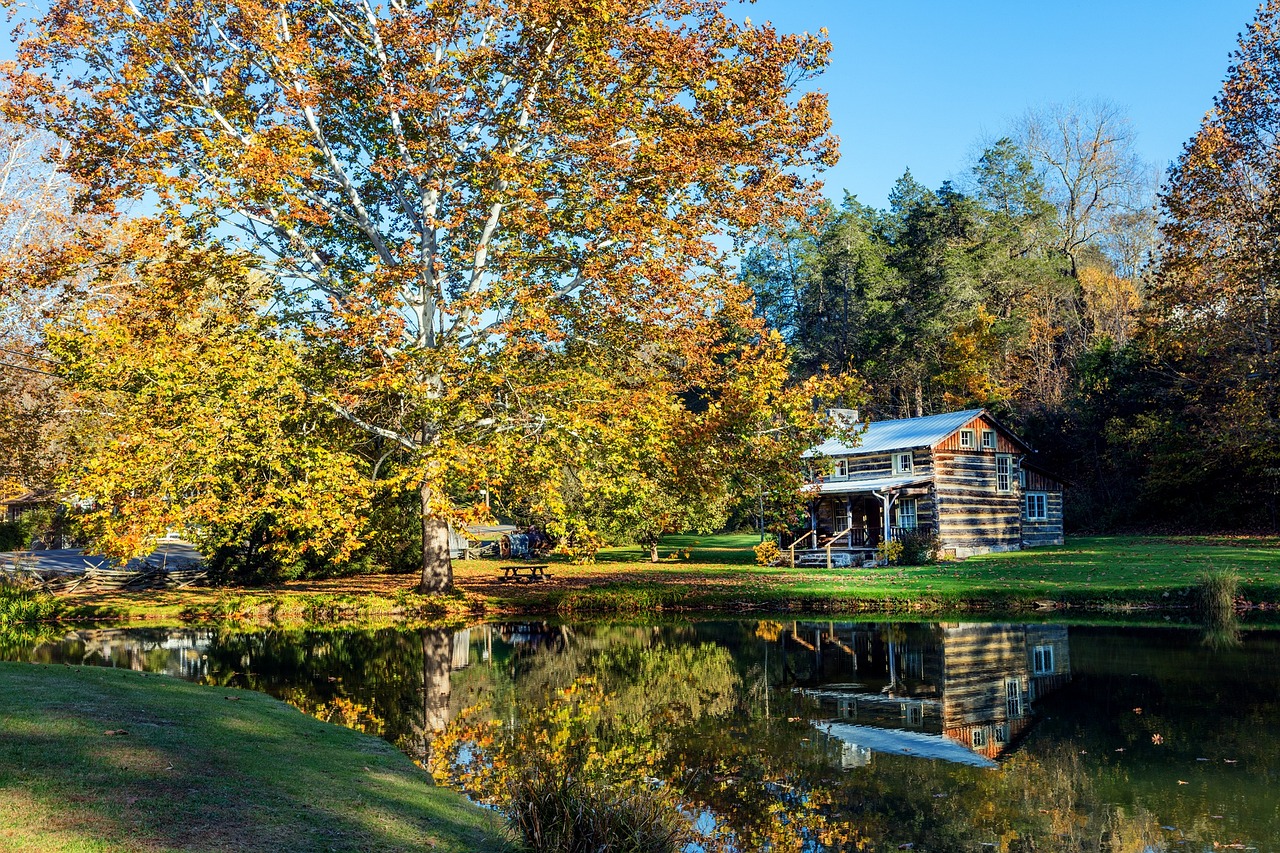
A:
802, 736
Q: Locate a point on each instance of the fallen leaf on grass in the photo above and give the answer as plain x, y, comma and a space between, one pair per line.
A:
115, 732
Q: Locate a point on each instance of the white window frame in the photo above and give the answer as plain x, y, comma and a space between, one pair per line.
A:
840, 471
1013, 704
1036, 506
988, 439
1042, 660
903, 463
903, 503
978, 738
1004, 479
967, 440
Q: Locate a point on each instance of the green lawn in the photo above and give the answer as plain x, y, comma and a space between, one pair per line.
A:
204, 769
1101, 571
718, 573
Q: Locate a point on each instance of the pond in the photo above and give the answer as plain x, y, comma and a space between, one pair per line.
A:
804, 735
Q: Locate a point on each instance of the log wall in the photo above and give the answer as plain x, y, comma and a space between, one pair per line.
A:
974, 518
876, 465
978, 660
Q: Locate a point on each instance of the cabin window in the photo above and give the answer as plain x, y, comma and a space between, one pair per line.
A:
907, 513
966, 439
1000, 734
1004, 473
1013, 698
913, 714
978, 738
841, 469
1042, 660
988, 439
1037, 506
902, 463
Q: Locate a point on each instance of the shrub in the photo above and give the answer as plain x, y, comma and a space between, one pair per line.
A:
919, 548
889, 553
561, 814
768, 553
19, 605
12, 536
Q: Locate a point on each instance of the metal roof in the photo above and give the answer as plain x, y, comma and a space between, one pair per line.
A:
877, 484
898, 742
902, 434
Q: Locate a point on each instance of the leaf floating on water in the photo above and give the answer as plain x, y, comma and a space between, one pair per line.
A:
1180, 782
115, 732
1157, 739
1120, 749
1137, 711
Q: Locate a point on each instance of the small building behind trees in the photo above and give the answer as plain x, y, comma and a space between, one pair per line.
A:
962, 476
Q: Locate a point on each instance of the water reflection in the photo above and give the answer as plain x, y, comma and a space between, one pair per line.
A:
803, 735
955, 692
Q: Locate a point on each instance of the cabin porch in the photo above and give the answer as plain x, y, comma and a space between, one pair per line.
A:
846, 527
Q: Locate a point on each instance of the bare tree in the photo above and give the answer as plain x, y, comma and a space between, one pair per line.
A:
1085, 156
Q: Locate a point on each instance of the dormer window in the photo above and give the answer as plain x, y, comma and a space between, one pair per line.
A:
966, 439
902, 463
988, 439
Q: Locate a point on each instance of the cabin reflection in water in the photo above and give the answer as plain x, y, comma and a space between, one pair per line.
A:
956, 692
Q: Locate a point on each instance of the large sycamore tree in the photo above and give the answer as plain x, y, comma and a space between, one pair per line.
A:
481, 214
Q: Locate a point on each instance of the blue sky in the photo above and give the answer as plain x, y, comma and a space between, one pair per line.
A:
919, 83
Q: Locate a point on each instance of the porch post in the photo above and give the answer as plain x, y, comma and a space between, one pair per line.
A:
848, 520
813, 516
886, 501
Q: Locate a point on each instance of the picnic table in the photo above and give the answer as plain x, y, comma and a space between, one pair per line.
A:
524, 572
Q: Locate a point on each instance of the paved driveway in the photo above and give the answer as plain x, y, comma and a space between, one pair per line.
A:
71, 560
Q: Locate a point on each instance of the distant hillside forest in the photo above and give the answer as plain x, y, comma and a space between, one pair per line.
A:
1117, 318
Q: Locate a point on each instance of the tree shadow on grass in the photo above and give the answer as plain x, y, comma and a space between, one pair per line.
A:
199, 771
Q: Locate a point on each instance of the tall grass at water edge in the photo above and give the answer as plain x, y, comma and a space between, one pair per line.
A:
1216, 591
565, 815
19, 605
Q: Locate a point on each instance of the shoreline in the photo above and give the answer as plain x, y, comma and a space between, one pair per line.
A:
1091, 575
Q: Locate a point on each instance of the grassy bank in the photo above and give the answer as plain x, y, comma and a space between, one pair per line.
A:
112, 760
718, 573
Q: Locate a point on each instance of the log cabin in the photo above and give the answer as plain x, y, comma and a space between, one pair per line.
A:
961, 475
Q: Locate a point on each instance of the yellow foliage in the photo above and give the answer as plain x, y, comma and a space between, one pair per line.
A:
767, 553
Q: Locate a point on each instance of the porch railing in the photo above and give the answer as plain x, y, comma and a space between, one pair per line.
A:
896, 533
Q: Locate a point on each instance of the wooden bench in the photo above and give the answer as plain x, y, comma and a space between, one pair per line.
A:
524, 573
